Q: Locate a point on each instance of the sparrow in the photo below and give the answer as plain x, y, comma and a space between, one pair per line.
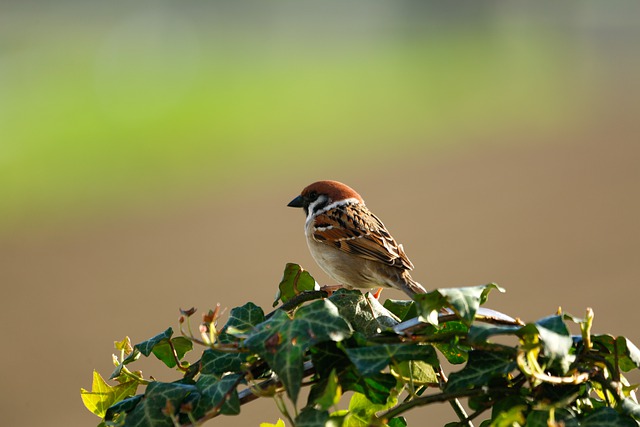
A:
350, 243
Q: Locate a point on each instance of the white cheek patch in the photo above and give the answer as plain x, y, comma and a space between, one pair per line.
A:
312, 207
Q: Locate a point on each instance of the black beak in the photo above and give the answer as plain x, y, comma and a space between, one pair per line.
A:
298, 202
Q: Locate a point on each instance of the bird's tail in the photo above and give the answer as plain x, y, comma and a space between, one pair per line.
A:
410, 286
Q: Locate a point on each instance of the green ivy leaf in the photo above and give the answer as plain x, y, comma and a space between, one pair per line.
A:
607, 417
416, 372
481, 332
362, 411
310, 417
376, 387
123, 406
214, 389
481, 367
628, 354
159, 398
372, 359
364, 313
446, 338
555, 338
541, 418
454, 352
327, 357
282, 341
514, 416
102, 395
557, 347
216, 362
331, 394
146, 347
464, 301
295, 280
554, 324
630, 407
397, 422
125, 345
429, 305
162, 350
241, 321
404, 309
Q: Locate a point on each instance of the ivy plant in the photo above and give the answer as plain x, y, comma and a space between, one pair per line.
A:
388, 355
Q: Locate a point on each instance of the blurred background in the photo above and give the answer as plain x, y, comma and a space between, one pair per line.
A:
148, 151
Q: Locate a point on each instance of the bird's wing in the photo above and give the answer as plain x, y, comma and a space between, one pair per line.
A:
355, 230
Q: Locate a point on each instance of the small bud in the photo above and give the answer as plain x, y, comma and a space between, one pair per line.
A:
188, 312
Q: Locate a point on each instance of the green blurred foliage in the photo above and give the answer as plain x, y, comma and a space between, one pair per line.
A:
103, 104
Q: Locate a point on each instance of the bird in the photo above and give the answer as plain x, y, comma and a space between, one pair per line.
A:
350, 243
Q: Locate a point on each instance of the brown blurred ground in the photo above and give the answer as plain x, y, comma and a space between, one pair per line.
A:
554, 219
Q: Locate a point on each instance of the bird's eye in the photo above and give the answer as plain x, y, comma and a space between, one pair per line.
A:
313, 196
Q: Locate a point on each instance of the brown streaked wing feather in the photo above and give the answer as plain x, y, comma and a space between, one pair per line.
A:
355, 230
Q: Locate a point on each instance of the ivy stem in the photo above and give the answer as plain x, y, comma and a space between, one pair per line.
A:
283, 408
441, 397
138, 378
176, 358
455, 403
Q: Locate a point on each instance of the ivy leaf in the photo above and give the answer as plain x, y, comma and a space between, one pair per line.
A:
310, 417
327, 357
446, 338
295, 280
125, 345
163, 351
429, 305
607, 417
628, 354
464, 301
481, 367
540, 418
159, 399
397, 422
372, 359
241, 321
216, 362
362, 411
630, 407
123, 406
280, 423
282, 341
214, 390
415, 372
102, 395
363, 312
146, 347
376, 387
481, 332
331, 394
404, 309
514, 416
555, 337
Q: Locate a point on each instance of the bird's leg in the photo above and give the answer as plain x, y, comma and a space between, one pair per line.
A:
377, 293
330, 289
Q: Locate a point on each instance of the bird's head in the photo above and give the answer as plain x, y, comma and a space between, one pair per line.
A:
318, 196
